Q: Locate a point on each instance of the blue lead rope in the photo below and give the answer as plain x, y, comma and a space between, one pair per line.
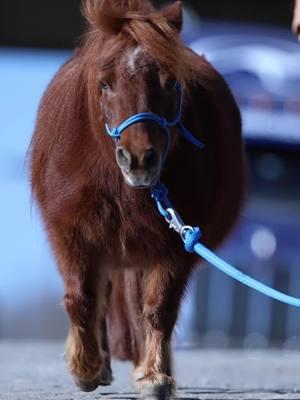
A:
243, 278
192, 235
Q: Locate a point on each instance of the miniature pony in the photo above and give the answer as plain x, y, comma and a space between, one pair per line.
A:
124, 271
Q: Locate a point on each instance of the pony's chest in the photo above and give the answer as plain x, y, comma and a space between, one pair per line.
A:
131, 231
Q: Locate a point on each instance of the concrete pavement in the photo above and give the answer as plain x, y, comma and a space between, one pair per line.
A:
36, 371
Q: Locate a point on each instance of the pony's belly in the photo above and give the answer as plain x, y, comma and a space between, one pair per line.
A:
138, 261
145, 253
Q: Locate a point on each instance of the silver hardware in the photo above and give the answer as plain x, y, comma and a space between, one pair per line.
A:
176, 223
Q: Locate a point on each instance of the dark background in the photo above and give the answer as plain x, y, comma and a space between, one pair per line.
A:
59, 24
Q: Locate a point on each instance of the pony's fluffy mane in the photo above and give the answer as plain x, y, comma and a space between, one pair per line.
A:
130, 22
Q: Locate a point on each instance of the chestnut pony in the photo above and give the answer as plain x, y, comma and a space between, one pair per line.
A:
124, 271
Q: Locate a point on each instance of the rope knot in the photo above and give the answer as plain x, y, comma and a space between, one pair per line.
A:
114, 133
159, 192
163, 123
191, 238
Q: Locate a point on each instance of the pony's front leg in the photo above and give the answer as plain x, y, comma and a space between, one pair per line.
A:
86, 350
86, 291
163, 291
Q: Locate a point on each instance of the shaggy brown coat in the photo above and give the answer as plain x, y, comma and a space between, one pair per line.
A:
112, 248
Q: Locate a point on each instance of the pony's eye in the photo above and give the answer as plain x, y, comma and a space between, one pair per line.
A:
170, 84
104, 85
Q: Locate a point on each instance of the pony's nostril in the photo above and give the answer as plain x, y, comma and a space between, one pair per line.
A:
123, 157
150, 159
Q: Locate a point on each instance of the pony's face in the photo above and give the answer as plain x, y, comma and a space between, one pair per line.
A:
139, 84
142, 57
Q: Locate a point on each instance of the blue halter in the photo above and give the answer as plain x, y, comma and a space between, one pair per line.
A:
191, 235
162, 122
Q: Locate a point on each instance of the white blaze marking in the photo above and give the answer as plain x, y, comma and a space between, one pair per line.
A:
133, 58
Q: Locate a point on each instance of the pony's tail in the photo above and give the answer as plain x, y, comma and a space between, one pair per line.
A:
124, 317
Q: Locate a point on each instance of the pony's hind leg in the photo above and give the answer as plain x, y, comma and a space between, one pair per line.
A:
85, 300
163, 291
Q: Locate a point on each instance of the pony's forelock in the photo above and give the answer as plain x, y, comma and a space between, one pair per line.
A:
110, 15
129, 22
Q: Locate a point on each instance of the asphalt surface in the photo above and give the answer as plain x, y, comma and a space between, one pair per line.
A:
36, 371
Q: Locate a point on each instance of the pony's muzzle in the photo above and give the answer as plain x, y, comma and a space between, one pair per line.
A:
139, 170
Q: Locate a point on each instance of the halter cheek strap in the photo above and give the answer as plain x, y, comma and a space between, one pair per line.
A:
162, 122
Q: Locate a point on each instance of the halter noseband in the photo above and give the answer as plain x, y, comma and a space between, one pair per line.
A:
162, 122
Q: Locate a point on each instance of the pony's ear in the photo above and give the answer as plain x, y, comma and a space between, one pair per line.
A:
173, 14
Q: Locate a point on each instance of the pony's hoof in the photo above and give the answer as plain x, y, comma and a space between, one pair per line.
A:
156, 387
137, 375
88, 386
104, 379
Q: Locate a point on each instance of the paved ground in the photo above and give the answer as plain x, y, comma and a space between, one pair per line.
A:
36, 371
